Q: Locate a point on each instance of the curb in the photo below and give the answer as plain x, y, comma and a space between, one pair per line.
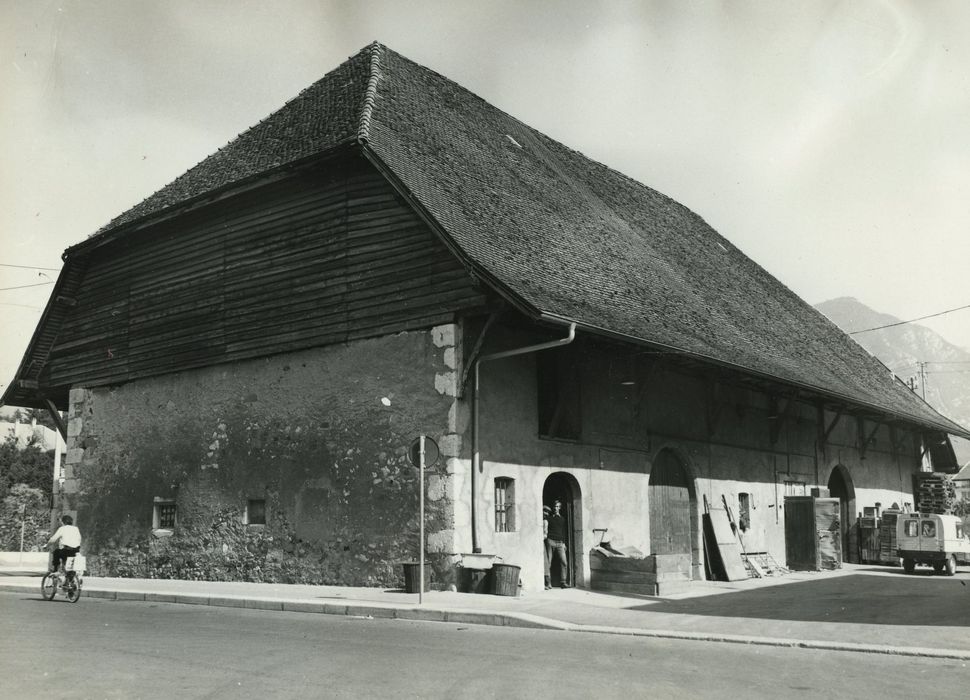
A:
473, 617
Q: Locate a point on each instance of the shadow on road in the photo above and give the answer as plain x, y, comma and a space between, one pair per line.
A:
921, 599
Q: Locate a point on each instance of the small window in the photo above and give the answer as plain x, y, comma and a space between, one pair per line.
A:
164, 515
929, 528
911, 528
744, 511
959, 531
504, 505
256, 511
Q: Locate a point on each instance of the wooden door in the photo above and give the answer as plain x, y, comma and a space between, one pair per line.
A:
669, 506
801, 540
828, 530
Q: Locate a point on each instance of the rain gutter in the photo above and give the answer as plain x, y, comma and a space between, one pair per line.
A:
476, 394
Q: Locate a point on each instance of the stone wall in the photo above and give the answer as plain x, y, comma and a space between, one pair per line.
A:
320, 436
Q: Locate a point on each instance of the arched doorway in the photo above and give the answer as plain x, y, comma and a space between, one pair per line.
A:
564, 487
673, 507
841, 487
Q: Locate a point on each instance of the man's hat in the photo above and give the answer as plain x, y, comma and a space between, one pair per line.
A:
546, 510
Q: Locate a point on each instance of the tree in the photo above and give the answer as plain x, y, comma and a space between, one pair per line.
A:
31, 466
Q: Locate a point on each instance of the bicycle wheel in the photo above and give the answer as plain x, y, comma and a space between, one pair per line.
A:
48, 586
73, 591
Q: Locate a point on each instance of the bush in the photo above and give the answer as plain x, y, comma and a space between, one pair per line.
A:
24, 507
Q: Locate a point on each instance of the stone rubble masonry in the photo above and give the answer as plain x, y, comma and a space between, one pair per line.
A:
448, 486
323, 433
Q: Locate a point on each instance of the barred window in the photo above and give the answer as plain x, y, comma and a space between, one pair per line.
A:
504, 505
256, 511
164, 514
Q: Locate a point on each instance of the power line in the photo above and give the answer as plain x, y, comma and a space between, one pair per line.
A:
23, 306
913, 320
24, 286
30, 267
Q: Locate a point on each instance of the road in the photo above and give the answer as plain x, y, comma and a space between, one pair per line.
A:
115, 649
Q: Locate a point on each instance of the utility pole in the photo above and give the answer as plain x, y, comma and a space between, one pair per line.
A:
922, 379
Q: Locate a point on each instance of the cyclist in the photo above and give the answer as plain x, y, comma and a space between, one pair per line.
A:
68, 539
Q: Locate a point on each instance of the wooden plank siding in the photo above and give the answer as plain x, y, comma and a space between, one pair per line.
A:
328, 256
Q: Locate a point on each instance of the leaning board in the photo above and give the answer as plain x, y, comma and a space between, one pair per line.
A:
728, 545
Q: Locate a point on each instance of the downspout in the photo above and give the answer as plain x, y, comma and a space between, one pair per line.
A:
476, 456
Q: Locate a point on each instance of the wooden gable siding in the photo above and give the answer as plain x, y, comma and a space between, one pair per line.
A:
322, 258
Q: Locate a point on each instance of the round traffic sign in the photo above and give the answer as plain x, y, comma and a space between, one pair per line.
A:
430, 452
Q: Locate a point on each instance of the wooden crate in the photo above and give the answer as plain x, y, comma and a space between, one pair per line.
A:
656, 574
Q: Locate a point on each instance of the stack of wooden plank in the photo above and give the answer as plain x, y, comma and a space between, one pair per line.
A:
887, 538
869, 532
936, 494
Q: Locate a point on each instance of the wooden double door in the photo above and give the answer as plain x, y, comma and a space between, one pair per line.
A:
670, 507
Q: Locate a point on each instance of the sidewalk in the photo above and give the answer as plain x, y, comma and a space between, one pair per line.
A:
755, 611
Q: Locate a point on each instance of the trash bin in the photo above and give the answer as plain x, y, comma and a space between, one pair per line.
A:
506, 579
412, 576
474, 580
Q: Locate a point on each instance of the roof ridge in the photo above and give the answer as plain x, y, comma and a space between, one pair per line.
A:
370, 94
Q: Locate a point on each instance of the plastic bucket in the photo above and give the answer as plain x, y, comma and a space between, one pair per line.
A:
506, 578
412, 577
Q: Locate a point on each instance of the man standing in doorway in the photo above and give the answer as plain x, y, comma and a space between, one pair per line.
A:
556, 543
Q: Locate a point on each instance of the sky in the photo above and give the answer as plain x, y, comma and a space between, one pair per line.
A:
827, 140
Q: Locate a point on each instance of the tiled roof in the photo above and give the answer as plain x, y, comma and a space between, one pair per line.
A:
564, 235
323, 116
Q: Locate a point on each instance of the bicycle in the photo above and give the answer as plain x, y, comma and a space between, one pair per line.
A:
64, 579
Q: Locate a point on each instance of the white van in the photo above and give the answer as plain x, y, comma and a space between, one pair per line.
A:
936, 540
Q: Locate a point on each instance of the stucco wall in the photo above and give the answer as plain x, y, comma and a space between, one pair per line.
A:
321, 435
732, 449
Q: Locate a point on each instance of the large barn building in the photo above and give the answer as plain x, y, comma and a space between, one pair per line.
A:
246, 355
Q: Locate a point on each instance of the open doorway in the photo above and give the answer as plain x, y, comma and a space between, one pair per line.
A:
841, 487
563, 487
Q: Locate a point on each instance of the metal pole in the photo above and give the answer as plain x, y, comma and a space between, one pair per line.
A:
421, 518
23, 523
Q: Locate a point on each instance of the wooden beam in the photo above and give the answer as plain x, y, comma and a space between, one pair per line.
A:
470, 361
828, 431
780, 416
714, 409
56, 417
897, 437
863, 438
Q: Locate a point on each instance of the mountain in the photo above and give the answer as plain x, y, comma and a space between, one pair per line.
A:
941, 370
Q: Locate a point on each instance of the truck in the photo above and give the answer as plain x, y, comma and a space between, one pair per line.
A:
932, 539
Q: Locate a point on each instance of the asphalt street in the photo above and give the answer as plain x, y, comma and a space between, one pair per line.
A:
121, 649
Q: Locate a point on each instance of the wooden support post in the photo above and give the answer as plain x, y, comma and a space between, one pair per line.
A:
56, 417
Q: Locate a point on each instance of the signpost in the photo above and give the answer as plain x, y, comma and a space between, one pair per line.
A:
422, 452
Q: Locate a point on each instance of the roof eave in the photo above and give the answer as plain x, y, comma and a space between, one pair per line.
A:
946, 427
